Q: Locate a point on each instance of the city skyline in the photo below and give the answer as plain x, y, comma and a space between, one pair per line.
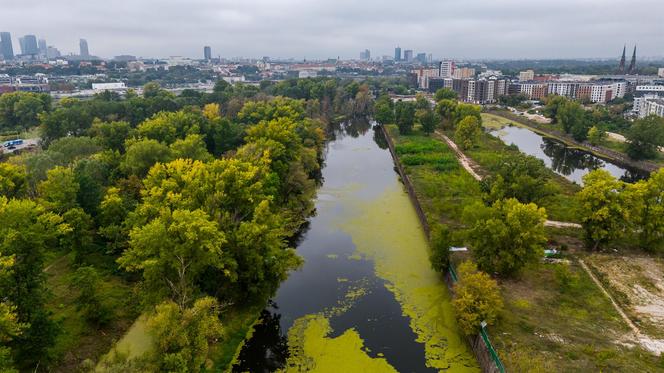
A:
292, 28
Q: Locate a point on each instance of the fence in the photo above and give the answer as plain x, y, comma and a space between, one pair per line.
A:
480, 344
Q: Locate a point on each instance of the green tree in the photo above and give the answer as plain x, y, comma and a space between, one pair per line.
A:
10, 327
476, 299
174, 249
646, 211
111, 135
445, 94
21, 110
192, 147
81, 238
86, 281
405, 116
553, 104
384, 110
26, 233
70, 120
461, 111
467, 132
13, 180
573, 119
58, 192
644, 137
446, 109
602, 208
596, 135
518, 176
143, 154
428, 119
183, 336
440, 247
506, 236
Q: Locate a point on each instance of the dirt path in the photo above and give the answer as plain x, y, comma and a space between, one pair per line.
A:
474, 169
655, 346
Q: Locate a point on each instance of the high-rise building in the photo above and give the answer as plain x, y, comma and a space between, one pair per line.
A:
464, 73
29, 45
408, 55
421, 58
52, 52
526, 75
397, 54
447, 69
42, 47
207, 52
6, 48
365, 55
83, 45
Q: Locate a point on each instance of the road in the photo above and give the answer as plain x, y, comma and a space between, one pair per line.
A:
27, 143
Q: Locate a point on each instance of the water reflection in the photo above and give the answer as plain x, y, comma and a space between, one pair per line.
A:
571, 163
358, 166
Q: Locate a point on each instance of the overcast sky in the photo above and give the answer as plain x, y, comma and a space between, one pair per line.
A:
331, 28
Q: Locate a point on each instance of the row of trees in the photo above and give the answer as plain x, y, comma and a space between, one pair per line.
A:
644, 136
612, 210
196, 196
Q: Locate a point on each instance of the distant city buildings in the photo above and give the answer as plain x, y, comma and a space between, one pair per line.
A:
207, 53
83, 46
6, 48
42, 47
408, 55
29, 46
527, 75
463, 73
660, 72
365, 55
397, 54
446, 69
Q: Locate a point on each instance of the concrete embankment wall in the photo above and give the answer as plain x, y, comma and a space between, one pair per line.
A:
477, 344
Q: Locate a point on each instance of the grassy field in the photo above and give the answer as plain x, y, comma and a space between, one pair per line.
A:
443, 187
555, 319
78, 340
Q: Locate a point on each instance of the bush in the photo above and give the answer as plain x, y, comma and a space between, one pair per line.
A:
477, 298
440, 248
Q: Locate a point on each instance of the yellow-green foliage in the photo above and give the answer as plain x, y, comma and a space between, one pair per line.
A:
477, 299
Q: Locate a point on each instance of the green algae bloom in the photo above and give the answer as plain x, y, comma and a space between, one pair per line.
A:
386, 230
311, 350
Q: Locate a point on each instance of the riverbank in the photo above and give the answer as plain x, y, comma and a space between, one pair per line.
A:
555, 317
599, 151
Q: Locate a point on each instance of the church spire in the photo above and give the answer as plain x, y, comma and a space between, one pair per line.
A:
621, 69
632, 65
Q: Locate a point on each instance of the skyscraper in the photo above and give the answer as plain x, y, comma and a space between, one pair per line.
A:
29, 45
83, 44
365, 55
408, 55
42, 47
6, 48
207, 52
397, 54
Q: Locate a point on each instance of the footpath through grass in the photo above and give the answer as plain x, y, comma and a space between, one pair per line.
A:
555, 319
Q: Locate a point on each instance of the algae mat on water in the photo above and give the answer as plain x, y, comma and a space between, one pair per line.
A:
386, 230
313, 351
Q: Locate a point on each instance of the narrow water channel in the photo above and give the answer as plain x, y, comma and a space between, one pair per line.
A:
366, 298
569, 162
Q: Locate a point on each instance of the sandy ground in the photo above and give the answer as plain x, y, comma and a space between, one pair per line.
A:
641, 280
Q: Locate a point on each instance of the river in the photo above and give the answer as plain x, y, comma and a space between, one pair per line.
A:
571, 163
366, 299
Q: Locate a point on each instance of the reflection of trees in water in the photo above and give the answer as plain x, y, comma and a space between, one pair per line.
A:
633, 175
566, 160
267, 349
353, 128
379, 138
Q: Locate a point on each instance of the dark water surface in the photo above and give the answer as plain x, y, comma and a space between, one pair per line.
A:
358, 164
569, 162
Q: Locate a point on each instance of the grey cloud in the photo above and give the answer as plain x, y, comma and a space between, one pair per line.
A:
329, 28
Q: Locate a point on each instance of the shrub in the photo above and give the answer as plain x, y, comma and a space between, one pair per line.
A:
477, 299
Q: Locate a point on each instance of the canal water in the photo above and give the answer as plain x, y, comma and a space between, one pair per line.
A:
366, 299
569, 162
